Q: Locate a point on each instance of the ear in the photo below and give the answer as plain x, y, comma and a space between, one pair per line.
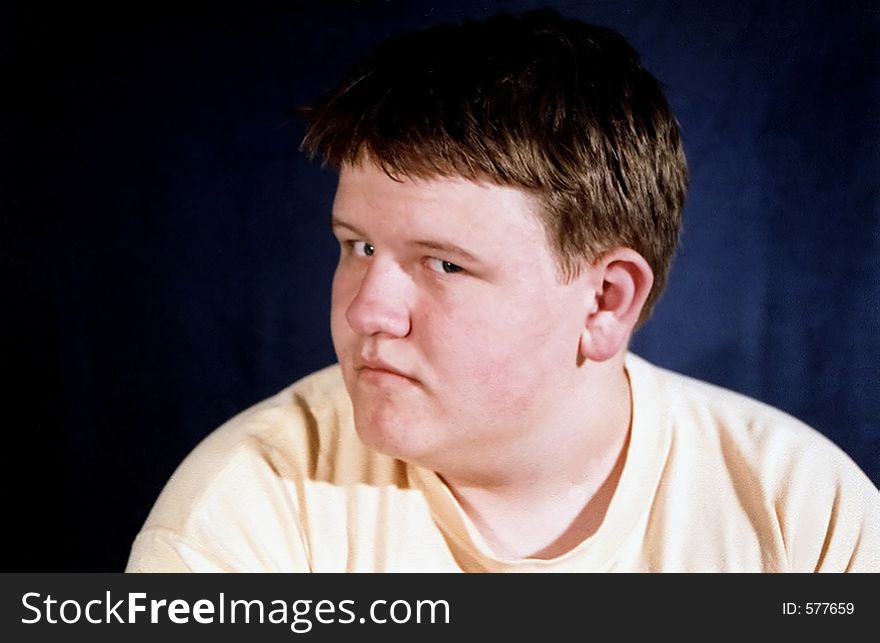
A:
622, 280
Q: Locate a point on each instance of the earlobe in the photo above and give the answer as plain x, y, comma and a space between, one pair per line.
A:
626, 280
603, 337
587, 349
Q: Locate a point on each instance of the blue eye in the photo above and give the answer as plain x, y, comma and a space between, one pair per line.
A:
362, 248
446, 267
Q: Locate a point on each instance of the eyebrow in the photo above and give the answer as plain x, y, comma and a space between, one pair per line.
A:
432, 244
336, 222
448, 248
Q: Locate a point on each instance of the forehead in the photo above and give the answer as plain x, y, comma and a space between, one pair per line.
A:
366, 195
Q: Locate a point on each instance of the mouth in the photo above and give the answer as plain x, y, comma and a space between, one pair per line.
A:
379, 371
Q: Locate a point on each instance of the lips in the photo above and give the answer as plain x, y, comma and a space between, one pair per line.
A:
373, 366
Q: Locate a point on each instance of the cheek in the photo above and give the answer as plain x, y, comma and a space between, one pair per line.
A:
499, 361
504, 384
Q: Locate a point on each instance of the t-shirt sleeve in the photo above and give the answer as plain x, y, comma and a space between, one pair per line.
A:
831, 518
250, 523
235, 511
162, 551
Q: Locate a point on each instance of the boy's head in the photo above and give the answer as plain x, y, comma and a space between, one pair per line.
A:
557, 108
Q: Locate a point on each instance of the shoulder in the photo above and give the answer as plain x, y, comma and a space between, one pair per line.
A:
758, 432
236, 501
282, 432
823, 508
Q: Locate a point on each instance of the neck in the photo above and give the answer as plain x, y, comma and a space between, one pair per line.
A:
545, 493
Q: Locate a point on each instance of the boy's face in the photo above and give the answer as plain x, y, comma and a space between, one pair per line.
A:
454, 333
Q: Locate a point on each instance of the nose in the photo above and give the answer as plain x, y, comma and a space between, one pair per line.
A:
381, 303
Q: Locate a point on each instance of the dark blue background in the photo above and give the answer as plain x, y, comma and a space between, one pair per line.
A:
166, 259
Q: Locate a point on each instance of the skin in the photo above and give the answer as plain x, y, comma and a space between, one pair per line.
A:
464, 352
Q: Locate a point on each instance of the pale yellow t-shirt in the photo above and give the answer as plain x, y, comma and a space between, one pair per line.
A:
713, 481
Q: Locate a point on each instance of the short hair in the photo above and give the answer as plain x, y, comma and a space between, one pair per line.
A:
558, 108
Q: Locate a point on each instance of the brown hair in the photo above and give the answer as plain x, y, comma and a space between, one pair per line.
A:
556, 107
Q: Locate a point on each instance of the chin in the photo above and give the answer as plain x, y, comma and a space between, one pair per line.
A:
394, 436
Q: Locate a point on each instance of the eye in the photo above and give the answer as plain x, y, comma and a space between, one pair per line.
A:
439, 265
362, 248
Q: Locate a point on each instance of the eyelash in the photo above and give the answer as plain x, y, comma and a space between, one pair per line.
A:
444, 264
352, 246
446, 267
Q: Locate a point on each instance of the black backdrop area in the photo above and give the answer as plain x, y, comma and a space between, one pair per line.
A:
166, 259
